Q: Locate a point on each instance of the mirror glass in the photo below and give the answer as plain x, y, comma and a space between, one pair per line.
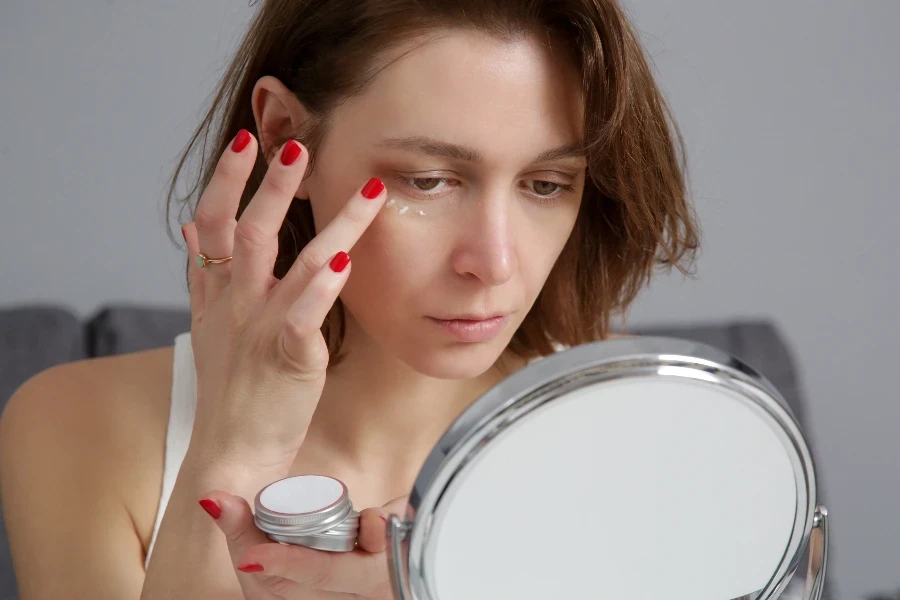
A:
633, 488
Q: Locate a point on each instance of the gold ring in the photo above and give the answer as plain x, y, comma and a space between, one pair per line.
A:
203, 260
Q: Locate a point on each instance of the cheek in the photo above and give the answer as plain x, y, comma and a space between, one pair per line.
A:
394, 257
540, 243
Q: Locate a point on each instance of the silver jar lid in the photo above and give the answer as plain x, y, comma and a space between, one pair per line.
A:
308, 510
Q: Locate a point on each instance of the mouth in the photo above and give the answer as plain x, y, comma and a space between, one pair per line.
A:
471, 328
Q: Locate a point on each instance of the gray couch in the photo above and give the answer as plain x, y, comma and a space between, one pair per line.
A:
34, 338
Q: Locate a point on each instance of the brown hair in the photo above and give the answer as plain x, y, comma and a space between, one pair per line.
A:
635, 213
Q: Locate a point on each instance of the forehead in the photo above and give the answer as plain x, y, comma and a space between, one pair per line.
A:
467, 87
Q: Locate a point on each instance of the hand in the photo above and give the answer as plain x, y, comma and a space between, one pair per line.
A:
268, 570
259, 354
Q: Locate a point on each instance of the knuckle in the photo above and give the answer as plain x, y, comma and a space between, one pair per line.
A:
206, 219
277, 184
322, 295
281, 586
318, 356
310, 366
250, 234
298, 324
235, 538
311, 258
229, 171
356, 216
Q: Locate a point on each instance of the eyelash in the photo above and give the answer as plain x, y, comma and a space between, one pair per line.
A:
541, 199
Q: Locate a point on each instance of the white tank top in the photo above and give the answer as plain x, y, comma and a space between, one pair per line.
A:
181, 424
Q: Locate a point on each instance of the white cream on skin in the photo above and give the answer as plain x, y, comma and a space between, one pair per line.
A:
403, 208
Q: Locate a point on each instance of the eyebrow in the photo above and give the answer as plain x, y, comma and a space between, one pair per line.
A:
433, 147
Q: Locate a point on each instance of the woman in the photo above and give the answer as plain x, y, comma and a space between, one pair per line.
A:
506, 175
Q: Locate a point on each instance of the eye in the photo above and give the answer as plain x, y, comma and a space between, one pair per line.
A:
426, 184
544, 190
428, 188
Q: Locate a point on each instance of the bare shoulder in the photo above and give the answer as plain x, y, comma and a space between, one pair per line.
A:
91, 432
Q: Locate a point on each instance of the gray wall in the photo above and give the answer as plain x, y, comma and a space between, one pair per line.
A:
791, 116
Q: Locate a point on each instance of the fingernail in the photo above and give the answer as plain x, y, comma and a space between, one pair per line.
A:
383, 519
212, 508
251, 568
340, 262
290, 153
240, 140
374, 187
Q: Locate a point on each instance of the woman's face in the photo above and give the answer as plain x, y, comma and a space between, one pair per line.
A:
476, 216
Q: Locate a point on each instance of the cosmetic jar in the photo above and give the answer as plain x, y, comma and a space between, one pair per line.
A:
308, 510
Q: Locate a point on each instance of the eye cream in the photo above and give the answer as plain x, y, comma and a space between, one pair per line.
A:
308, 510
404, 209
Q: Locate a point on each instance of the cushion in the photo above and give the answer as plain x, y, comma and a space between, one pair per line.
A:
119, 329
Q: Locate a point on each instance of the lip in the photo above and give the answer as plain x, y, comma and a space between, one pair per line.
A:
471, 328
468, 317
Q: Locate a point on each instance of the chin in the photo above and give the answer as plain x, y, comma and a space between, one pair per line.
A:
456, 361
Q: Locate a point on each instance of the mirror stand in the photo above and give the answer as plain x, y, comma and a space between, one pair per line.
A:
818, 555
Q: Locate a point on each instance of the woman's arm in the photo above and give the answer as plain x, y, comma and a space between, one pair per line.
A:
74, 456
69, 531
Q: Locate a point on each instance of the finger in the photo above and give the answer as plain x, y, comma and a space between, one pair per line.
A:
256, 234
302, 339
195, 274
233, 517
353, 572
338, 235
218, 206
373, 524
235, 520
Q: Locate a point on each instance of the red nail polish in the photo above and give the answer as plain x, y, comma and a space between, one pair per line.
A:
374, 187
212, 508
240, 140
251, 568
290, 153
340, 262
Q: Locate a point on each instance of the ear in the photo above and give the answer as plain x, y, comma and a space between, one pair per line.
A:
277, 113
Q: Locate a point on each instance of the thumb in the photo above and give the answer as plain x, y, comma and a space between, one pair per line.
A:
373, 524
235, 520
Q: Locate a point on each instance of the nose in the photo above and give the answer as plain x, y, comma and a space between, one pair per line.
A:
485, 247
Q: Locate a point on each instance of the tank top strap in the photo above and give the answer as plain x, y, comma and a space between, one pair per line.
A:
182, 405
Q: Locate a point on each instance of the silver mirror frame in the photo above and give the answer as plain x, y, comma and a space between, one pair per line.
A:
553, 376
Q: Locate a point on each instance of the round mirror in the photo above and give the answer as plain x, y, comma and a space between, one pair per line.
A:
627, 469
